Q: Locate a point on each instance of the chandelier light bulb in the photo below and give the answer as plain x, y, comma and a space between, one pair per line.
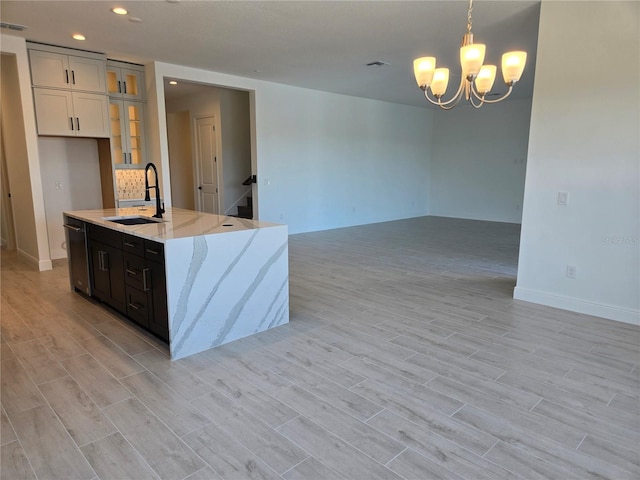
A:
471, 58
423, 69
485, 79
440, 81
513, 66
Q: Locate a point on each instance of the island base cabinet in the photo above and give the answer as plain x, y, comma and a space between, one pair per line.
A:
107, 275
146, 285
138, 306
159, 319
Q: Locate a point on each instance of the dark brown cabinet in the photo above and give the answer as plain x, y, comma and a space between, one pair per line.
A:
127, 273
146, 284
106, 266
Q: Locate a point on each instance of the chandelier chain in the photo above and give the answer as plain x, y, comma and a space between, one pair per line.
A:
469, 16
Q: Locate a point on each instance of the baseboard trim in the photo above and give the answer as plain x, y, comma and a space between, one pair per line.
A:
576, 305
41, 265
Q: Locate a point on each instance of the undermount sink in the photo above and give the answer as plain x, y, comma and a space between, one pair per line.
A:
133, 220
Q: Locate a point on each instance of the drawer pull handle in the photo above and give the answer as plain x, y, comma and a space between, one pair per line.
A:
133, 273
134, 306
154, 252
131, 245
145, 283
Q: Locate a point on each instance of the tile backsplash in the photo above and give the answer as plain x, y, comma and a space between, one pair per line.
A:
130, 184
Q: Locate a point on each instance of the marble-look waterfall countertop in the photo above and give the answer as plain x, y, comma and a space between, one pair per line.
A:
176, 222
226, 277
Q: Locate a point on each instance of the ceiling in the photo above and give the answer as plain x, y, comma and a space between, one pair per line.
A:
322, 45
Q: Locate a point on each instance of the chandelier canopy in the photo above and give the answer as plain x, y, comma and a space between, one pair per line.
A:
476, 80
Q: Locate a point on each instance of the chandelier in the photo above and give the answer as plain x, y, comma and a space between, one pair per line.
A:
476, 80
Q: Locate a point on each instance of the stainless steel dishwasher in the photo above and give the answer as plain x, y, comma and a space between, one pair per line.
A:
77, 251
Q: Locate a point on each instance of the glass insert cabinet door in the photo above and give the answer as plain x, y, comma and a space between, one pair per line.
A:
125, 83
127, 132
135, 129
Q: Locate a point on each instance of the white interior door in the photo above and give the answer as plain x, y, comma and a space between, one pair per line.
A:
207, 165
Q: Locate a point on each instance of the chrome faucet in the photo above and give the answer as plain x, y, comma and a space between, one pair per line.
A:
147, 197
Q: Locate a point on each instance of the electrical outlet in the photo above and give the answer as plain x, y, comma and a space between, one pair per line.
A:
563, 198
571, 271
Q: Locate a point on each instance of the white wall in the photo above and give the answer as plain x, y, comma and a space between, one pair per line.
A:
335, 161
181, 160
73, 164
21, 150
478, 161
323, 160
235, 134
584, 141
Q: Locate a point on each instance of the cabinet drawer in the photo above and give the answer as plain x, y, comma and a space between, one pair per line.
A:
136, 273
138, 306
105, 235
131, 244
154, 251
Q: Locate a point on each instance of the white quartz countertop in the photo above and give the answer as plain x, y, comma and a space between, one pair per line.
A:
176, 222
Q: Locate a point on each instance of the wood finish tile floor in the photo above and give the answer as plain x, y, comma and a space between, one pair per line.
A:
406, 358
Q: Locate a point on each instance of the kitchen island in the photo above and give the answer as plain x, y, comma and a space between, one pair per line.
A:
225, 277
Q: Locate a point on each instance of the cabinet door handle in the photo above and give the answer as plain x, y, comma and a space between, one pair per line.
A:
134, 306
73, 76
152, 251
130, 161
145, 283
124, 157
71, 121
119, 87
73, 228
66, 74
127, 244
78, 123
133, 273
125, 87
102, 255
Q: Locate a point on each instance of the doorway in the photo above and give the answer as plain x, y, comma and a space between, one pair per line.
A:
207, 165
8, 234
196, 108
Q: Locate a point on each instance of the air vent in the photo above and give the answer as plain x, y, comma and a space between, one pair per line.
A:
377, 63
13, 26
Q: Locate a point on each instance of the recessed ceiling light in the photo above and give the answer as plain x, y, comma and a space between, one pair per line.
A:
173, 82
135, 20
173, 1
79, 36
119, 11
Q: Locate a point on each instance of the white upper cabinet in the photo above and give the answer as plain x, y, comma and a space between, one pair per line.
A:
71, 114
56, 70
125, 81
